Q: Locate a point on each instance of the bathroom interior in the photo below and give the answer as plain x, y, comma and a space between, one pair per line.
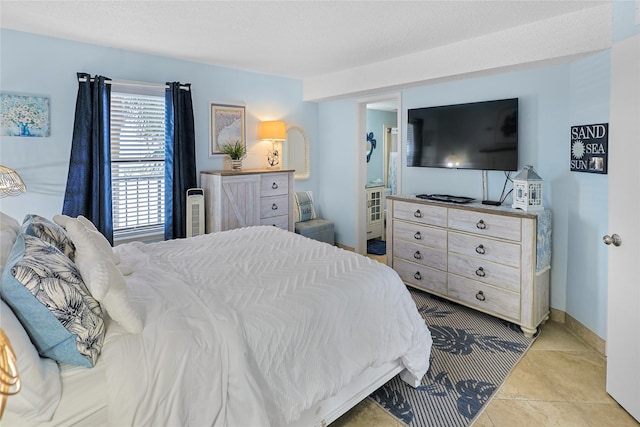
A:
382, 166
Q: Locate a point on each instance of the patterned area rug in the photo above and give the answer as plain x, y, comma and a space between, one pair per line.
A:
472, 355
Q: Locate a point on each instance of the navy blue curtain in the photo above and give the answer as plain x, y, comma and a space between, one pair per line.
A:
180, 158
88, 191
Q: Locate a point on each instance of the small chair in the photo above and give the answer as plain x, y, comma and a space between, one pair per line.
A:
307, 223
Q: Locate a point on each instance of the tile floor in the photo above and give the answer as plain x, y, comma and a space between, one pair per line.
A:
560, 381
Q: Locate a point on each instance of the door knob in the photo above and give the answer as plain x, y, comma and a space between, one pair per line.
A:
613, 239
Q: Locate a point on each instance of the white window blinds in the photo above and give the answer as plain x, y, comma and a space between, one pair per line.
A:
137, 162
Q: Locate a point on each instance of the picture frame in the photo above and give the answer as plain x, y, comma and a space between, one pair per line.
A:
226, 125
590, 148
24, 115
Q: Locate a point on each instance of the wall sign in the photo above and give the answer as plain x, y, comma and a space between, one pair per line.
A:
589, 148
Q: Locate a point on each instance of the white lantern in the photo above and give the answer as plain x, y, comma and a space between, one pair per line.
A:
527, 190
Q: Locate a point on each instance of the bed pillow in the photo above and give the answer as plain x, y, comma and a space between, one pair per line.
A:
40, 377
7, 239
9, 222
104, 280
46, 292
116, 301
98, 238
88, 253
304, 210
50, 232
8, 232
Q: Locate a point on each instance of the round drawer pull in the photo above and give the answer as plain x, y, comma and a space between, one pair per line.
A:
417, 276
480, 296
274, 186
417, 214
480, 272
417, 236
274, 207
480, 249
480, 225
417, 255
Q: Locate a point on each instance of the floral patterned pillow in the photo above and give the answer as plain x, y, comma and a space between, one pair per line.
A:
46, 292
50, 232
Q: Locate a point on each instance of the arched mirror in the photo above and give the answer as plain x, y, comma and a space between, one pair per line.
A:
296, 152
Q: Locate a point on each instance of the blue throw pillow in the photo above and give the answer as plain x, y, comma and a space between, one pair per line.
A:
50, 232
304, 210
46, 292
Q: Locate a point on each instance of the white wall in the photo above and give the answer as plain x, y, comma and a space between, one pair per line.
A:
586, 198
32, 64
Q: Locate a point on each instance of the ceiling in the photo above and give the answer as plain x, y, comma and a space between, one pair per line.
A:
297, 39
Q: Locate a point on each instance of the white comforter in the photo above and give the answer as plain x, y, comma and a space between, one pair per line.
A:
251, 327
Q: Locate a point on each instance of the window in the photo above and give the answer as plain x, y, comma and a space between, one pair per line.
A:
137, 162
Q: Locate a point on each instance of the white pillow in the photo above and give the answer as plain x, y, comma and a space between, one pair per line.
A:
8, 222
41, 385
104, 273
88, 255
8, 232
87, 223
61, 220
102, 277
99, 238
7, 239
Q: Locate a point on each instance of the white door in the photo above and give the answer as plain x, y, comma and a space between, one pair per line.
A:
623, 311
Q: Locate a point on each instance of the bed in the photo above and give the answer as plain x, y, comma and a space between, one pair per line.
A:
248, 327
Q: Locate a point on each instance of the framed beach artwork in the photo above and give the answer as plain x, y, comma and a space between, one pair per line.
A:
226, 126
24, 115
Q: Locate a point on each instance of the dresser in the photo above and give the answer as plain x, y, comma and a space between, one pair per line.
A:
493, 259
235, 199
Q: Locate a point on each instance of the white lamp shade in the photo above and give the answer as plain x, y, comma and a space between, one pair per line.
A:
272, 130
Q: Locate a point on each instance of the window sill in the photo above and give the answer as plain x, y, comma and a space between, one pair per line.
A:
148, 235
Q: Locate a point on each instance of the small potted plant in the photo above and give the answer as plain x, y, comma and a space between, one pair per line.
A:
236, 151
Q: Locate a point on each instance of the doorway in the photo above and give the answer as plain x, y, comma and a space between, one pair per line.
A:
378, 118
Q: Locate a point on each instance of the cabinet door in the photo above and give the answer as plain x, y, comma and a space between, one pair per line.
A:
239, 204
374, 212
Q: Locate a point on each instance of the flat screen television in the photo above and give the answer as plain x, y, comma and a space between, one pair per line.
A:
479, 135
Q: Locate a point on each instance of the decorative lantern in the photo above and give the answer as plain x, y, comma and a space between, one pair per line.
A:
527, 190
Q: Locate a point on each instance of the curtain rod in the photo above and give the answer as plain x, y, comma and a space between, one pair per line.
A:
125, 83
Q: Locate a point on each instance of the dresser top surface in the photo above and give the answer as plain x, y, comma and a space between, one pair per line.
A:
476, 206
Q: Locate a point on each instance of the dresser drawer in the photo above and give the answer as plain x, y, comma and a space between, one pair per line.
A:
274, 184
420, 254
422, 234
421, 277
486, 298
424, 214
281, 221
492, 273
485, 224
274, 206
485, 249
